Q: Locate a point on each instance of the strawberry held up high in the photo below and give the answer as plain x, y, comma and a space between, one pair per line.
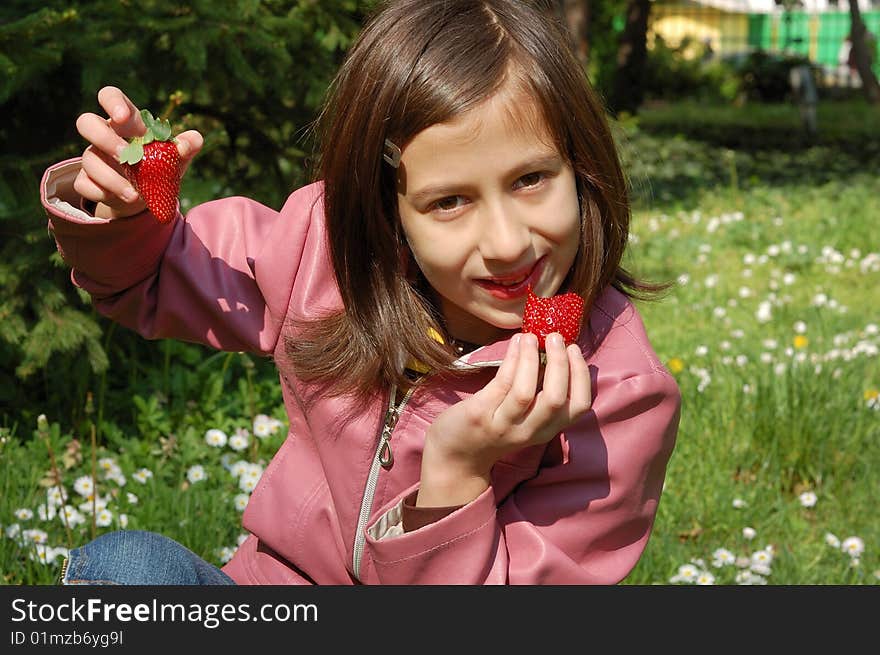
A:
152, 164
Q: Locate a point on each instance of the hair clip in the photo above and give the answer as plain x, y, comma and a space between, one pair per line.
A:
392, 153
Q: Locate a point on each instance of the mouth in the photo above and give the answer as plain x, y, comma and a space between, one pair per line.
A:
514, 284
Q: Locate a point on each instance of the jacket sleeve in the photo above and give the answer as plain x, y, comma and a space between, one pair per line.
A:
221, 276
583, 520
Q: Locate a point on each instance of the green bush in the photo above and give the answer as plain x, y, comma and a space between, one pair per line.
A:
252, 75
675, 73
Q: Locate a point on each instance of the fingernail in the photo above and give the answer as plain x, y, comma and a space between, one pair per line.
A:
555, 339
118, 113
130, 195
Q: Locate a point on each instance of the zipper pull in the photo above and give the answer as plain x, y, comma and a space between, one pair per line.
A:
386, 456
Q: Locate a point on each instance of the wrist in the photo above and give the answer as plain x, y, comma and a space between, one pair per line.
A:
448, 480
102, 210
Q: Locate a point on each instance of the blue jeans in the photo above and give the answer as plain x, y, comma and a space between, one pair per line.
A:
136, 557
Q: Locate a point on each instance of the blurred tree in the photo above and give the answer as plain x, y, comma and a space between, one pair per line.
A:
576, 17
864, 50
253, 74
628, 87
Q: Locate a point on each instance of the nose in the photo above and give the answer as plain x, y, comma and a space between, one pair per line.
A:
505, 235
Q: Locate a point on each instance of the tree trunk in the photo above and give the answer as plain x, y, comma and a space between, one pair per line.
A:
628, 90
575, 16
861, 54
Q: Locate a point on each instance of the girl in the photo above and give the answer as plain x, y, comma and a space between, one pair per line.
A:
464, 160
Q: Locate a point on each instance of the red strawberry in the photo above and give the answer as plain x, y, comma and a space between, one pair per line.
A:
152, 165
561, 313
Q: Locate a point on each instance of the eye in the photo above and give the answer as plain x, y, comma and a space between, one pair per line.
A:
530, 180
447, 204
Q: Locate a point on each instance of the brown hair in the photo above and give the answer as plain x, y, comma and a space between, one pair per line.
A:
417, 63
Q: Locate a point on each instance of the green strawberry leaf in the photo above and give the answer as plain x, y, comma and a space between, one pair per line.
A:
132, 153
158, 130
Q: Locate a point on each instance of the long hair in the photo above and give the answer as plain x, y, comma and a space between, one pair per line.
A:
417, 63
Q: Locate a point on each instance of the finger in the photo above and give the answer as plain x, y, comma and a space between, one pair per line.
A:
189, 144
554, 394
521, 396
580, 393
103, 173
87, 189
498, 387
125, 118
98, 132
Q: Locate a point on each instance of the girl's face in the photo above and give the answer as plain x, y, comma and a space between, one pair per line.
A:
489, 207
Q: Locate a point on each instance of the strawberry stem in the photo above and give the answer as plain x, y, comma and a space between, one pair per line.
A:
174, 101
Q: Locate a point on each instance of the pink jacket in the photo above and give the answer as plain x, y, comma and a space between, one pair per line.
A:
576, 511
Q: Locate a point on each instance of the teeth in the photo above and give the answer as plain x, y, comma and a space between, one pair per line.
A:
511, 283
514, 283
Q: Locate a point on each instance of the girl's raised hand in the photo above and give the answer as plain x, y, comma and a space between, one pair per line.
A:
101, 179
509, 413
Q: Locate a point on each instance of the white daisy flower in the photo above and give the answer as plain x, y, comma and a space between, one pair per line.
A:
225, 554
687, 573
23, 514
240, 539
239, 441
123, 521
107, 464
104, 518
71, 516
240, 501
46, 512
762, 569
749, 533
56, 496
808, 499
216, 438
738, 503
35, 535
84, 486
722, 557
250, 477
196, 473
131, 498
853, 546
262, 426
142, 475
747, 577
832, 540
705, 578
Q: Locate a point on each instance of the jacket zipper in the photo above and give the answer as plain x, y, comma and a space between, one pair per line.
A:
63, 570
384, 458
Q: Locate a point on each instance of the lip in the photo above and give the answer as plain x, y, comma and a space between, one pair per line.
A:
494, 287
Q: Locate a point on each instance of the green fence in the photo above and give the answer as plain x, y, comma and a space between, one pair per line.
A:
817, 36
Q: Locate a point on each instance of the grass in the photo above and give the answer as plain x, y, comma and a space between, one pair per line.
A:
779, 402
771, 331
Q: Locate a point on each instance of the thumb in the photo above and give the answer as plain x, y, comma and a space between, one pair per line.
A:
189, 144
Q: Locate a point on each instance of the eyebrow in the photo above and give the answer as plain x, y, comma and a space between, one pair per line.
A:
442, 190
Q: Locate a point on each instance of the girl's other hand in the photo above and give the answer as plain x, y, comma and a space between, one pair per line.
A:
101, 178
512, 412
